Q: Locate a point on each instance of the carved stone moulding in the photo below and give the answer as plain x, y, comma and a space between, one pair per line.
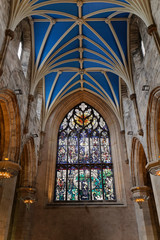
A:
140, 194
9, 169
27, 195
154, 168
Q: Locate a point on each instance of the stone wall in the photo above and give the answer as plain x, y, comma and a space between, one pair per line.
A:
16, 76
146, 71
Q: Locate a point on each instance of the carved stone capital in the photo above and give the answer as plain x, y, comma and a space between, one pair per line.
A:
30, 98
133, 96
27, 194
140, 132
79, 3
9, 33
139, 190
9, 169
152, 28
154, 167
122, 132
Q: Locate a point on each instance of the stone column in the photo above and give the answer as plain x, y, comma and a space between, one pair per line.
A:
155, 180
22, 222
30, 100
7, 196
41, 146
146, 223
9, 35
134, 100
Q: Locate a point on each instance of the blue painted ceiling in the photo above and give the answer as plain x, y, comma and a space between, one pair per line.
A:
80, 46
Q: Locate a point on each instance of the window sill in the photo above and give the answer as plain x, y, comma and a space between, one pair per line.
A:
86, 204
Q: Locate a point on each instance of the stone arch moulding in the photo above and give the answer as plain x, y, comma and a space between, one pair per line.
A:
138, 163
142, 189
153, 125
54, 122
12, 132
27, 183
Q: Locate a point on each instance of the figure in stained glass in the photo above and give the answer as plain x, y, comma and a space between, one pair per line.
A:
84, 170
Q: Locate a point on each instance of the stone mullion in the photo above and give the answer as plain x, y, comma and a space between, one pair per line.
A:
9, 35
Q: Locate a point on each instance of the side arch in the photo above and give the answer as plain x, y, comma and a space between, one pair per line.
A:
138, 163
153, 125
28, 164
10, 126
142, 186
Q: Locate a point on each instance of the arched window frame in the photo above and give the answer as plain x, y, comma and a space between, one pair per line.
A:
88, 172
51, 128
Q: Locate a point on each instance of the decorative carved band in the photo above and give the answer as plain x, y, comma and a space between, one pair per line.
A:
152, 28
9, 33
133, 96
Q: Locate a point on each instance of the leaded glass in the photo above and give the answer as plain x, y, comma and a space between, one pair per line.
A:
84, 170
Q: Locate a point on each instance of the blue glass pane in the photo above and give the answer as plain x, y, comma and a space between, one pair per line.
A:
72, 154
63, 138
95, 154
73, 139
62, 154
83, 148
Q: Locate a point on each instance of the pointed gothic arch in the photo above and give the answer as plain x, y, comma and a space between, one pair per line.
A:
50, 141
10, 126
142, 186
138, 163
27, 181
28, 164
153, 125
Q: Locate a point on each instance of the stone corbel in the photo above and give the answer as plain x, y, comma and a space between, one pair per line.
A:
134, 100
152, 31
9, 169
140, 194
9, 35
154, 167
27, 194
30, 100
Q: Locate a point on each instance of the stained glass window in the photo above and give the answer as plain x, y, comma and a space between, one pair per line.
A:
84, 169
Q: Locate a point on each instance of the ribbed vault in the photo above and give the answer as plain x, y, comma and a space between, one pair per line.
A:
80, 45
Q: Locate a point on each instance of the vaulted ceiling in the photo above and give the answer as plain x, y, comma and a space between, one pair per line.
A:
80, 45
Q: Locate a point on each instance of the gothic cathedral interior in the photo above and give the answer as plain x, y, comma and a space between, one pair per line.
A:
79, 119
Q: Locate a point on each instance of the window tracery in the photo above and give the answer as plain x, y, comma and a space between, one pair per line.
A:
84, 169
